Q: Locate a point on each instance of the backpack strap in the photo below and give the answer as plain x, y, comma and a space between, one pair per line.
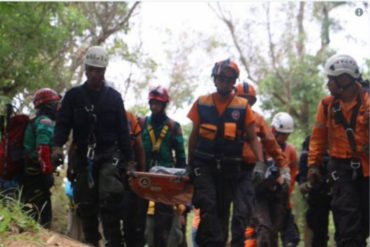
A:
350, 128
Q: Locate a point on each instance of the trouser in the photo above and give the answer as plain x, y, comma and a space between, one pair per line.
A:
134, 219
317, 215
158, 226
242, 206
103, 199
177, 235
290, 232
270, 211
350, 203
214, 188
35, 195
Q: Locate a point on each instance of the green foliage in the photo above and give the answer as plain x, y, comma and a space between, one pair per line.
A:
29, 42
300, 91
13, 218
42, 44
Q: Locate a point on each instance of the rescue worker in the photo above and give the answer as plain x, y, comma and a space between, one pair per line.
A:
282, 126
221, 123
133, 220
96, 114
318, 199
244, 202
342, 128
164, 146
38, 171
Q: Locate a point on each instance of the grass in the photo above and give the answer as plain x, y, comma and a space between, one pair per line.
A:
14, 220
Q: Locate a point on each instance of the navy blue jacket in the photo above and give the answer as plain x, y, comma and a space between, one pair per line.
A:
111, 127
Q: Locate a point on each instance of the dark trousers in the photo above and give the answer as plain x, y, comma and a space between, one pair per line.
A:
270, 211
134, 219
317, 215
350, 204
36, 195
214, 189
163, 215
290, 232
103, 199
242, 206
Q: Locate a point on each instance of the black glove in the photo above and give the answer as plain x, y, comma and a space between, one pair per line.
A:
258, 173
305, 188
314, 176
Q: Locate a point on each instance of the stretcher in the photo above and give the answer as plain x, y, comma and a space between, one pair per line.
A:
160, 187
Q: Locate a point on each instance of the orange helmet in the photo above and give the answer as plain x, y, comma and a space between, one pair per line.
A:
227, 68
159, 93
44, 96
247, 90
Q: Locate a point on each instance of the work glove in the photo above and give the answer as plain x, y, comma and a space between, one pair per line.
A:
57, 157
314, 176
44, 157
285, 174
305, 188
180, 209
258, 173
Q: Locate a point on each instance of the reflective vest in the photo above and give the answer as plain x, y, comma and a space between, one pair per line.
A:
220, 136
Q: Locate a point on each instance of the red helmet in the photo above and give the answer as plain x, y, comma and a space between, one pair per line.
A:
247, 90
44, 96
227, 68
159, 93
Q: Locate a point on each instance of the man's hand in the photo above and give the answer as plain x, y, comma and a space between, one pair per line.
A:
258, 173
314, 175
180, 209
57, 157
131, 168
305, 188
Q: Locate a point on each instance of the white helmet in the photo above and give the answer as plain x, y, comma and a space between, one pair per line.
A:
283, 122
96, 56
342, 64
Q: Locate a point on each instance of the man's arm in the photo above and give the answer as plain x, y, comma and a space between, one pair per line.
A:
192, 142
63, 123
319, 138
178, 146
139, 153
124, 135
253, 142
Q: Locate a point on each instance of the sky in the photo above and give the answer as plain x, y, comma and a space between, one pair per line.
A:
156, 17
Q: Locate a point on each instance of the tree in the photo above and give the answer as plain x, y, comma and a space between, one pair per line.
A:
45, 47
287, 72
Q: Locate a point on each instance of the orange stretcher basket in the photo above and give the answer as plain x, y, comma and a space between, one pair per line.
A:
163, 188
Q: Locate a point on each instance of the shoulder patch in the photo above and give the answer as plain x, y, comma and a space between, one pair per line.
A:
46, 121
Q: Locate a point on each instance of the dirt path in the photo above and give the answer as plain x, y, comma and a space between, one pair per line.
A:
43, 239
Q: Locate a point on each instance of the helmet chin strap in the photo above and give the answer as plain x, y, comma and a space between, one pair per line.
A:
223, 93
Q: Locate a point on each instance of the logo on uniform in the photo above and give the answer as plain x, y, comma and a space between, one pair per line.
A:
235, 114
144, 182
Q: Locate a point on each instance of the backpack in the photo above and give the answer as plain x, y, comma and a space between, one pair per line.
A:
11, 147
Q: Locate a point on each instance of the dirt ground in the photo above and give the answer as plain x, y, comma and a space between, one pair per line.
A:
44, 238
